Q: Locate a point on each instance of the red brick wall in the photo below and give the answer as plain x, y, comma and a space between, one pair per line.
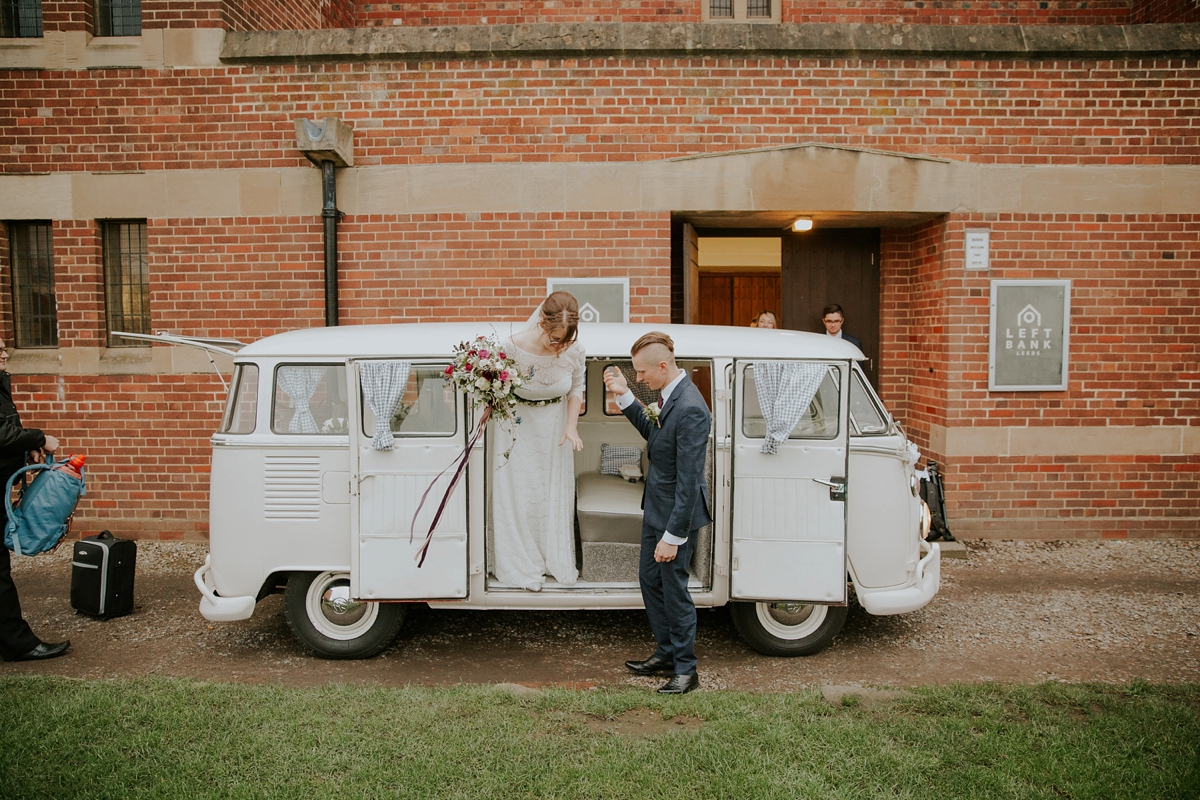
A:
287, 15
508, 12
1151, 11
146, 439
1012, 12
1134, 361
176, 14
603, 110
444, 267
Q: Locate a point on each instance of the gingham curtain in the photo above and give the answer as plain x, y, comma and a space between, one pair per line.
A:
383, 384
299, 383
785, 388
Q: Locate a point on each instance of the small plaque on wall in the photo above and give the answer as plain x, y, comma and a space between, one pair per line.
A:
1029, 336
977, 244
600, 299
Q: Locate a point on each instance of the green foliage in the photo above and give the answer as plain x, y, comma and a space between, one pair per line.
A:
166, 738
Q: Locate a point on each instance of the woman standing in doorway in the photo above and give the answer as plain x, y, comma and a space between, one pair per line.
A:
533, 488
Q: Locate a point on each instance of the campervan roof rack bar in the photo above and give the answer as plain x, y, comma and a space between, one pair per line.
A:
209, 346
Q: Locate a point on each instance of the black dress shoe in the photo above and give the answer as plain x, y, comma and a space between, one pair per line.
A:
653, 665
680, 684
44, 651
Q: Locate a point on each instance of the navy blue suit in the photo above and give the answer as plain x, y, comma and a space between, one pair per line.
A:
675, 499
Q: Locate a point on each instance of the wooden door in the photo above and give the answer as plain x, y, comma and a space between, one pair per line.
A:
735, 298
834, 266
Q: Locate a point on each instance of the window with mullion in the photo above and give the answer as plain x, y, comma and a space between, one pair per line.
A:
720, 9
118, 17
20, 19
31, 256
758, 9
126, 280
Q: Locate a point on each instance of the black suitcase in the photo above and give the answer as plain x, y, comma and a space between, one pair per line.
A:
102, 575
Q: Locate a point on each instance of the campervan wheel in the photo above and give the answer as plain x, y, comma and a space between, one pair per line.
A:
322, 614
787, 629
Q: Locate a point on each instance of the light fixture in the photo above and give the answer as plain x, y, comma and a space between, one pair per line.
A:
802, 224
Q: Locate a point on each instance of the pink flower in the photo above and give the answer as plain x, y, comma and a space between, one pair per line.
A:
470, 367
501, 355
449, 370
503, 374
483, 353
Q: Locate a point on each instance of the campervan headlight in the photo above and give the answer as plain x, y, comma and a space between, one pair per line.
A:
926, 520
914, 484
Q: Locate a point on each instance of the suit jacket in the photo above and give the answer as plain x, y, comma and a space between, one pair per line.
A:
15, 440
675, 497
854, 340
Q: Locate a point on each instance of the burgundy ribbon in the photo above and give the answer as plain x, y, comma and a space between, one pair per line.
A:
461, 462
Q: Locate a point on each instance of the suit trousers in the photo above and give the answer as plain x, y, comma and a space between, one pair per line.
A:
669, 605
16, 638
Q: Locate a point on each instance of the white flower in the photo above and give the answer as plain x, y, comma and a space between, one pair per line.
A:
652, 412
482, 383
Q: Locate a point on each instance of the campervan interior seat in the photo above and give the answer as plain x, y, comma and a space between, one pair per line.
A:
610, 509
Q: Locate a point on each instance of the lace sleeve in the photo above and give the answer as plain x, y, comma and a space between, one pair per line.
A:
578, 371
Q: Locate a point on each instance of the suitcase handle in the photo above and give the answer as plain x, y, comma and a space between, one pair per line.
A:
104, 535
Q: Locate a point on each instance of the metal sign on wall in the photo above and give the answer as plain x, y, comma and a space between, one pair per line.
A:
600, 299
1029, 336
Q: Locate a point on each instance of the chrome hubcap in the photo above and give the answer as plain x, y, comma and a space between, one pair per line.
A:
333, 612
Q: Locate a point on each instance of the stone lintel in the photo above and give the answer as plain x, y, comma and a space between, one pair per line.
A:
699, 39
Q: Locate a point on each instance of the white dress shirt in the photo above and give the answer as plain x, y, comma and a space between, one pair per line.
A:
626, 400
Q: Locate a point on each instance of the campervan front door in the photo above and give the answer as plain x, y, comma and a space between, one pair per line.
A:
387, 486
789, 507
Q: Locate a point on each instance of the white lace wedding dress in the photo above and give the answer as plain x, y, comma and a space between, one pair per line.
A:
533, 492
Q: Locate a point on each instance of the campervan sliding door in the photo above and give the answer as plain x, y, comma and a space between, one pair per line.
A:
789, 507
387, 486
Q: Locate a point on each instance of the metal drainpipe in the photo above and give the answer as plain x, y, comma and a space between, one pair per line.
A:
331, 216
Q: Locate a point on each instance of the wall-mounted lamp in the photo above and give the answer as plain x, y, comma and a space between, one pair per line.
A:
802, 224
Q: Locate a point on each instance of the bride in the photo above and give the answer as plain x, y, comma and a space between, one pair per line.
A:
533, 490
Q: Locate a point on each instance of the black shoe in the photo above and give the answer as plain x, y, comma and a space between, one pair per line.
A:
653, 665
680, 684
44, 651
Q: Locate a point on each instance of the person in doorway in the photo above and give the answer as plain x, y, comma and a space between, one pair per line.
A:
675, 503
833, 318
533, 491
17, 640
765, 319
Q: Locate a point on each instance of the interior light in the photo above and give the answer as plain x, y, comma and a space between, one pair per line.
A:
802, 224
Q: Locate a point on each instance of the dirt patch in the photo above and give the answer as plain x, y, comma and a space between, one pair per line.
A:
1012, 611
643, 722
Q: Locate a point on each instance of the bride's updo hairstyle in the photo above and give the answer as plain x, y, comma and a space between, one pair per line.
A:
560, 319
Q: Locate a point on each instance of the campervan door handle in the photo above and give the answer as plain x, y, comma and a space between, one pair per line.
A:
837, 487
723, 443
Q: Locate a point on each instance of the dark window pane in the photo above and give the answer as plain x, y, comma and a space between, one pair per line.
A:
20, 18
720, 9
126, 280
35, 316
118, 17
758, 8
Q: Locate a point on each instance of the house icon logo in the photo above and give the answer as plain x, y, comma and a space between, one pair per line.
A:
1029, 316
588, 313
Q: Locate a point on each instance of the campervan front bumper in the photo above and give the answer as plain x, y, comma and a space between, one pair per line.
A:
215, 608
881, 602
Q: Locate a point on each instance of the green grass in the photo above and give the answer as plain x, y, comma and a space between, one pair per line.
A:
167, 738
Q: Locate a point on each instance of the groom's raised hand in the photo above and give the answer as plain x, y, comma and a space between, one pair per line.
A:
615, 381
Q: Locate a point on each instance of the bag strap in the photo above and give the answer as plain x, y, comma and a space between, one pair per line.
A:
8, 501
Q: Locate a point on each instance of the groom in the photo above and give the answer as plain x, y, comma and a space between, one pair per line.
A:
675, 504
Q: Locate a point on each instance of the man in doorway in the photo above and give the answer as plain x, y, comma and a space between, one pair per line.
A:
674, 503
833, 318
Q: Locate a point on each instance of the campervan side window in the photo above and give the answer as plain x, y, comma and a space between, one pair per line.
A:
820, 421
243, 401
699, 371
426, 409
310, 399
867, 417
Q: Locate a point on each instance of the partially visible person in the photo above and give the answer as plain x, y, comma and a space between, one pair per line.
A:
833, 318
765, 319
17, 640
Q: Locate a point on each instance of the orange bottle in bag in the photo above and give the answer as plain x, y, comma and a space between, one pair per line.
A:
74, 465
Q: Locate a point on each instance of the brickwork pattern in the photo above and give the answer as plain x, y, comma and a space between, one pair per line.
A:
1165, 11
295, 15
1078, 113
446, 267
146, 439
511, 12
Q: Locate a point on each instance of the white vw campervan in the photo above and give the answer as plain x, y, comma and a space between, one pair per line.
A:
301, 502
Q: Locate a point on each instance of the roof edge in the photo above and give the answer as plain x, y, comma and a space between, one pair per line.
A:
697, 39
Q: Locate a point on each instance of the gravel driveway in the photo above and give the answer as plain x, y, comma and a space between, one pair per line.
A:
1012, 611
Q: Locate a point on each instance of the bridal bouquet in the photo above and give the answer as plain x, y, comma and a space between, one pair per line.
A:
488, 374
